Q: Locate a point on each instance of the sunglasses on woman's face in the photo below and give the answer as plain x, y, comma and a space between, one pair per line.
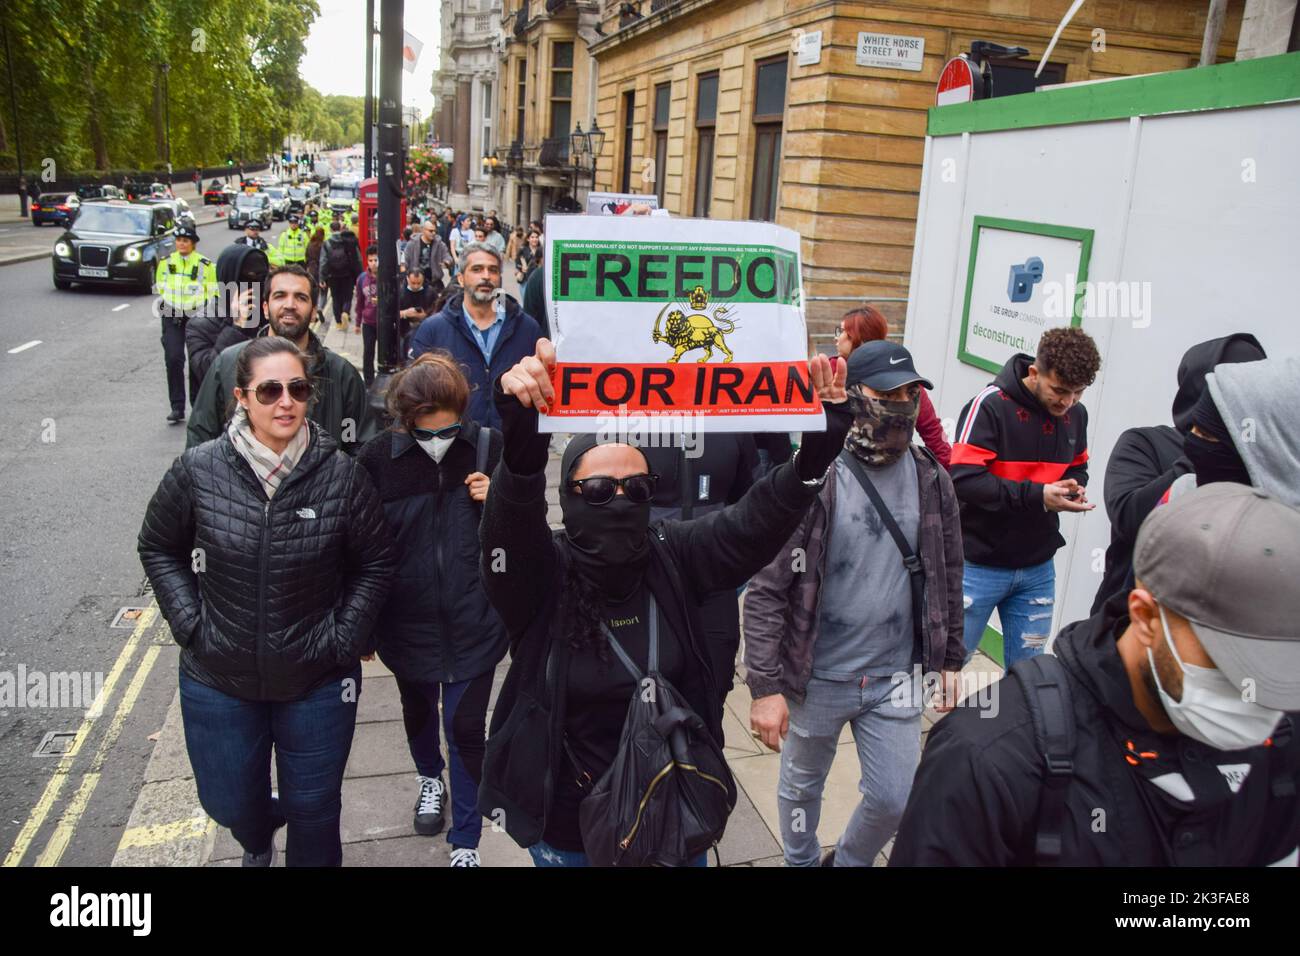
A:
269, 392
600, 489
429, 434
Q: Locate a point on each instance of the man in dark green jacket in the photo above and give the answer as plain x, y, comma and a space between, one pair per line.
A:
340, 405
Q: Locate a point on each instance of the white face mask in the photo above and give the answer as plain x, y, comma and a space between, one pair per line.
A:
1212, 710
436, 448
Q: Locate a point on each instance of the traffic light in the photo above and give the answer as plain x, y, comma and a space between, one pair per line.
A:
230, 160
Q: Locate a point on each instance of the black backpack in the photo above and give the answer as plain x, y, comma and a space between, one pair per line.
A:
667, 796
336, 254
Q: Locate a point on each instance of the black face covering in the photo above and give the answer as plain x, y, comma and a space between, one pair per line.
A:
1214, 460
609, 543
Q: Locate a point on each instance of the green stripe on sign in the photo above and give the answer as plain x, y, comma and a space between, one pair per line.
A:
601, 271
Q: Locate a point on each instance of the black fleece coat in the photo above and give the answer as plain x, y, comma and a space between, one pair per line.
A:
437, 626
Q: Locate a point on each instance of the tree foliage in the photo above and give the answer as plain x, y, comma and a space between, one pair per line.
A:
89, 80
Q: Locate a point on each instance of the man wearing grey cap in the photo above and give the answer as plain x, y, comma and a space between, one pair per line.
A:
868, 588
1178, 744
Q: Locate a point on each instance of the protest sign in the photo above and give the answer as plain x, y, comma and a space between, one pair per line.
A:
618, 204
672, 318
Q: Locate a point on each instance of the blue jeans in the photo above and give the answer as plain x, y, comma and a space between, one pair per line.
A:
229, 742
1024, 598
464, 717
544, 854
886, 725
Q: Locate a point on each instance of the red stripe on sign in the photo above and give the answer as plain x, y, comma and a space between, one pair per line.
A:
736, 388
1043, 472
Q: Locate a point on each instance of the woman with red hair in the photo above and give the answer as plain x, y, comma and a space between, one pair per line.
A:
865, 324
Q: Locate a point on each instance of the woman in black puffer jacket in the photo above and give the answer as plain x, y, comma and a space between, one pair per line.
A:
268, 554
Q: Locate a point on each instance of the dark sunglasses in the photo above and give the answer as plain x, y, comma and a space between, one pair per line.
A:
600, 489
429, 434
269, 392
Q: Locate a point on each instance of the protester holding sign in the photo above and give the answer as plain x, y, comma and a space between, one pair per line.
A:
694, 318
556, 726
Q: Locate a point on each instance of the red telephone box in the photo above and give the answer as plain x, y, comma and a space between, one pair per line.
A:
368, 228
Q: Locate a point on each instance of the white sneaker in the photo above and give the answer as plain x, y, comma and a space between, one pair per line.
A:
463, 856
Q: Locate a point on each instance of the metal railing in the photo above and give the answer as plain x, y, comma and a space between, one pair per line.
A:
555, 151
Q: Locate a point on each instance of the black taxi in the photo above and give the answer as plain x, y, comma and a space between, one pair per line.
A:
115, 243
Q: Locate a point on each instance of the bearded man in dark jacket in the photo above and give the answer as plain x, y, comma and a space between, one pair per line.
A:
339, 403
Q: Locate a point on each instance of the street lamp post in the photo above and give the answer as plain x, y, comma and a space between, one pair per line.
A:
588, 144
13, 106
167, 122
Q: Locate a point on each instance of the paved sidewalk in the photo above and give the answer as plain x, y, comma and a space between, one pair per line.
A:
168, 827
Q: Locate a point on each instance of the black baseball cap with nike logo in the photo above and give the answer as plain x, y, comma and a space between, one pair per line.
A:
883, 366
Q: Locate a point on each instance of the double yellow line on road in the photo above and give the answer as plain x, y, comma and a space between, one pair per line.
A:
76, 807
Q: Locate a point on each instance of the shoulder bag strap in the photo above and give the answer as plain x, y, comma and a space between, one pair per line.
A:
1047, 694
915, 572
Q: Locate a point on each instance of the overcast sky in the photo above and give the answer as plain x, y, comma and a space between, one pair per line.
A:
335, 60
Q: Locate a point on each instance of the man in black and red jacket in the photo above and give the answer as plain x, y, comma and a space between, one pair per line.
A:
1021, 456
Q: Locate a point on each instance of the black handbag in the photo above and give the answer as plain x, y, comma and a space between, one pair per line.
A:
667, 796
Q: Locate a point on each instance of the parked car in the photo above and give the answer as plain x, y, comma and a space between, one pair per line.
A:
96, 191
249, 206
160, 190
279, 201
179, 207
59, 208
115, 242
218, 194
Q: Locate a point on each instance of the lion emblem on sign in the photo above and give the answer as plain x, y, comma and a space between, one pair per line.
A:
686, 333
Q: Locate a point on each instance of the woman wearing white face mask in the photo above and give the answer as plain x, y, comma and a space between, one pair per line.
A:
438, 634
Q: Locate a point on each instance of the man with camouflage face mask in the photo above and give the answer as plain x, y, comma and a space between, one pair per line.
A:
867, 589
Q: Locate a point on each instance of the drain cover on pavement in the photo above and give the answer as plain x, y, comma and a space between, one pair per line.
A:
127, 617
55, 744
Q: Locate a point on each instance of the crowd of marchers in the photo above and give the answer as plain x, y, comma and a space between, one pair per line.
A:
295, 538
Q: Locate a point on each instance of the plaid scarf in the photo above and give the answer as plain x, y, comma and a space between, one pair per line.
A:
271, 468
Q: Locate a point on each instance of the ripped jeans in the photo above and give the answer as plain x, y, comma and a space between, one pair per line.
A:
1024, 598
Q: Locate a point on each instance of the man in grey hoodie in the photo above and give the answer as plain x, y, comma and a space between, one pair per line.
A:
1242, 430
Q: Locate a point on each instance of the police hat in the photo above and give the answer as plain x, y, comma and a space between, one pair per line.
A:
253, 224
186, 231
293, 219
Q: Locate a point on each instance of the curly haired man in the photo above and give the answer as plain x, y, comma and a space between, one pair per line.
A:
1021, 457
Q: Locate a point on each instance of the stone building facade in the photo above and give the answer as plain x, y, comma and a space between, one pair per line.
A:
709, 104
465, 92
